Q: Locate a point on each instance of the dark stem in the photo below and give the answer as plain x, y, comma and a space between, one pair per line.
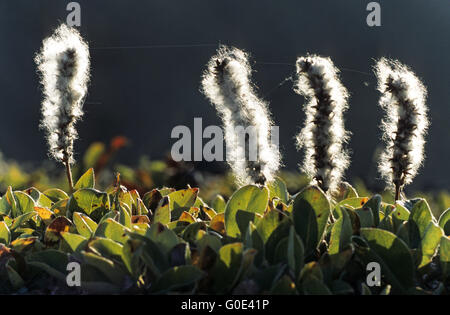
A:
320, 183
397, 191
68, 173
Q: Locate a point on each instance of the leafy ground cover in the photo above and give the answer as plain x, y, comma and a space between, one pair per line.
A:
262, 240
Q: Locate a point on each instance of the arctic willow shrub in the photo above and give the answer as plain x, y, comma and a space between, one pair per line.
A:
262, 240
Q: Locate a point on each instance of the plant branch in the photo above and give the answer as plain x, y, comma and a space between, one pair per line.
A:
68, 173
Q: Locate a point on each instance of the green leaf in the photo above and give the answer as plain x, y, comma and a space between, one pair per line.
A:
33, 193
189, 217
194, 231
141, 208
125, 215
59, 208
209, 240
87, 180
113, 230
252, 239
182, 198
48, 269
248, 198
399, 215
52, 261
55, 194
22, 244
16, 280
5, 207
24, 202
374, 204
106, 248
341, 233
444, 221
268, 224
400, 212
345, 191
219, 204
89, 200
365, 216
130, 256
310, 214
199, 202
39, 198
387, 224
5, 234
419, 220
354, 219
85, 225
246, 267
11, 200
54, 230
111, 214
422, 232
291, 248
444, 256
162, 212
243, 219
74, 241
153, 257
409, 204
105, 266
218, 223
277, 188
126, 198
177, 277
353, 203
227, 267
22, 220
165, 240
207, 213
332, 266
393, 255
430, 243
277, 236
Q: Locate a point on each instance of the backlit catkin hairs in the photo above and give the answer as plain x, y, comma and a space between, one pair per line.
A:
323, 135
63, 63
226, 83
404, 125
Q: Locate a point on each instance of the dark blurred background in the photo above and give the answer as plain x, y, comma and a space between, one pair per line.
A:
142, 93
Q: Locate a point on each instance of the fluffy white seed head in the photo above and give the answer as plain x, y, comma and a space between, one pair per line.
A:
323, 136
227, 84
405, 123
63, 63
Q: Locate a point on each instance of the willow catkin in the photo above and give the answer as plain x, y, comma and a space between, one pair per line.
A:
227, 84
63, 63
323, 135
404, 125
